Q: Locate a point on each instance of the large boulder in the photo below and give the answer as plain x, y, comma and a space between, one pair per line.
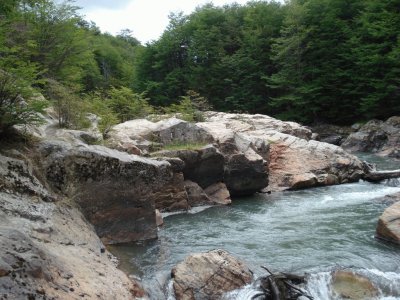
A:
280, 150
258, 122
377, 137
47, 249
113, 189
245, 166
296, 163
209, 275
388, 228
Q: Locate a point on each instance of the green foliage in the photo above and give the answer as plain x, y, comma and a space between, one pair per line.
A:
190, 107
71, 110
127, 104
308, 60
99, 105
221, 52
17, 104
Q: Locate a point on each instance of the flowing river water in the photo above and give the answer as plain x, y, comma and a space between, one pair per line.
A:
309, 231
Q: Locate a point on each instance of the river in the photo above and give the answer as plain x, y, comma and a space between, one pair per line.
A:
313, 231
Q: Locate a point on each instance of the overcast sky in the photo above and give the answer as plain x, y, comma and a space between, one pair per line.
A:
146, 18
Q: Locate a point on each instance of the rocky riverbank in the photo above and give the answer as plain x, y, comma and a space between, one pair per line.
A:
63, 198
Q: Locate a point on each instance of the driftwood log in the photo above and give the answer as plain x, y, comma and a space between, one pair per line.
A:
281, 286
373, 175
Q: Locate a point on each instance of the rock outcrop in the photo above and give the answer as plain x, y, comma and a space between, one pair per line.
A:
292, 160
209, 275
113, 189
47, 249
296, 163
249, 152
378, 137
388, 228
149, 136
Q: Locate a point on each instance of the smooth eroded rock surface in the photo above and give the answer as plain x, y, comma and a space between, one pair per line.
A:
388, 228
349, 285
209, 275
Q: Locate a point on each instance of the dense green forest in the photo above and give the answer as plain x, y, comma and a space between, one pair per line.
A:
335, 61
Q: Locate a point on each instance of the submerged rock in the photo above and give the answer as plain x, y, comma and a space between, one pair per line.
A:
209, 275
349, 285
388, 228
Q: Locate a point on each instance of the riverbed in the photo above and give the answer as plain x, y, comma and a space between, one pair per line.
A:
309, 231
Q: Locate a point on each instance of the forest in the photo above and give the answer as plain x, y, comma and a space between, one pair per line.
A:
311, 61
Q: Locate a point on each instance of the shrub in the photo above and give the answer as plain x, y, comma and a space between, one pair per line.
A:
128, 105
71, 110
17, 104
99, 105
190, 107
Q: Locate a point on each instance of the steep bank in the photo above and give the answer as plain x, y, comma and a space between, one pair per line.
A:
47, 248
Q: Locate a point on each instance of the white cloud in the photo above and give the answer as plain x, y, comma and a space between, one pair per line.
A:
146, 18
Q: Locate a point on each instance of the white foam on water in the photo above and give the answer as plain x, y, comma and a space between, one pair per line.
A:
388, 283
318, 285
170, 290
246, 293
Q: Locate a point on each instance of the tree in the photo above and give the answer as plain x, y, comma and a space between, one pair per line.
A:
16, 104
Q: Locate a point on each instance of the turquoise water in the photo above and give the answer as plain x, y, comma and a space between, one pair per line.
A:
313, 231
